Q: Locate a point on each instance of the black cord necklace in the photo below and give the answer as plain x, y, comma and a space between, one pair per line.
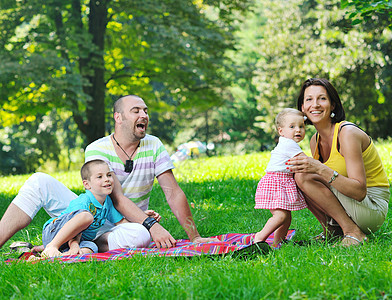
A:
128, 167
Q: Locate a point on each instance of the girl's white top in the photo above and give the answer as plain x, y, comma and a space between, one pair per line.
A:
284, 150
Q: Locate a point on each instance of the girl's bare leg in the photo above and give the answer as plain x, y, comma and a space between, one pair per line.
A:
281, 232
279, 218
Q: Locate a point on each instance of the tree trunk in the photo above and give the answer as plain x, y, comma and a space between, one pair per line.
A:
93, 69
95, 110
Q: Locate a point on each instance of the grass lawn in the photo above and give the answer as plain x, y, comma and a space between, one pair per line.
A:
222, 192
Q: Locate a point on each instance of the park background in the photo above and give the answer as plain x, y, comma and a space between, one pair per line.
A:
214, 71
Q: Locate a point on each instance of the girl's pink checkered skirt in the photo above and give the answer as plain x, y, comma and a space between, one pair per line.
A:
277, 190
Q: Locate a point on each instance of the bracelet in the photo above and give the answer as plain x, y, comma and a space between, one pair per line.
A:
335, 174
149, 222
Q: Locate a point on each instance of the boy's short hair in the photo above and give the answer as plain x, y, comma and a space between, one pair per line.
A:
280, 117
85, 171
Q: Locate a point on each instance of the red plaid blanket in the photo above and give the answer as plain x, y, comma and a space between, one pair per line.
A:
236, 243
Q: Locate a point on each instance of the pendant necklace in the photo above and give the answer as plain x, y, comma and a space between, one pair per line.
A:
128, 167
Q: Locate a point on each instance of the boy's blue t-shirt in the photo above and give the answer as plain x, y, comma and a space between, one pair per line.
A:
101, 213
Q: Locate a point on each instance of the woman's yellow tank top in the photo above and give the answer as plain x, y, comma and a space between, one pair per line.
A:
375, 173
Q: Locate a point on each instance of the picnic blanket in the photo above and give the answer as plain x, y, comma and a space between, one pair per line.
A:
236, 244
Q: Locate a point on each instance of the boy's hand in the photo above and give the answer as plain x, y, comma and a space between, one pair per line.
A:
154, 214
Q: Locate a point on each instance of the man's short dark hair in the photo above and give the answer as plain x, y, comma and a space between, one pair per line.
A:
117, 106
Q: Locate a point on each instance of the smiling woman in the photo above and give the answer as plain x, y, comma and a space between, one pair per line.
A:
345, 185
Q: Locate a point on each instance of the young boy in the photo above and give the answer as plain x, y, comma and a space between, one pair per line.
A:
75, 229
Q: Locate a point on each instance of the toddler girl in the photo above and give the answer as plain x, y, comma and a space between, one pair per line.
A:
277, 190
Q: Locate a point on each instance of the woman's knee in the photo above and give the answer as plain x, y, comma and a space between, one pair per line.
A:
300, 178
306, 180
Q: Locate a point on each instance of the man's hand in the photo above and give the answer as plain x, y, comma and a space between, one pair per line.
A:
200, 239
162, 237
154, 214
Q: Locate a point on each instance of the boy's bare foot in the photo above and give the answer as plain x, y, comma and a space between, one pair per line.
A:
85, 251
50, 252
33, 258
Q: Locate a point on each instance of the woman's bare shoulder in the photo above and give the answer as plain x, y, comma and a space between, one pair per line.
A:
351, 135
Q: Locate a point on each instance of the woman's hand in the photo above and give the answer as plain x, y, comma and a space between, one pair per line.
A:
304, 164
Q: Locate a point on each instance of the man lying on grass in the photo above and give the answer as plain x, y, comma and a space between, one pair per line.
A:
75, 229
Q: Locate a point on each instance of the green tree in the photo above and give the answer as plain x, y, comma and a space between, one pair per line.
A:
363, 10
26, 146
314, 39
232, 124
76, 55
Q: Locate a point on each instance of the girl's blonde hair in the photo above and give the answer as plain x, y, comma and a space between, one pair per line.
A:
280, 117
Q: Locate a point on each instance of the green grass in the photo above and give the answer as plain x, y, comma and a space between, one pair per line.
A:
222, 192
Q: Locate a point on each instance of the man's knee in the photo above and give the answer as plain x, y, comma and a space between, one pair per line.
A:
39, 177
129, 235
29, 198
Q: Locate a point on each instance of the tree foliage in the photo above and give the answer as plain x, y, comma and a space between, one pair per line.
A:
364, 10
207, 70
281, 44
314, 39
78, 55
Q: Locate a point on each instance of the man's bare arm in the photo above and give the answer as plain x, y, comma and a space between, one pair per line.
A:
133, 213
179, 205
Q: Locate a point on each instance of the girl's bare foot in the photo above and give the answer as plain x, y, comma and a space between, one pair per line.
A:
258, 238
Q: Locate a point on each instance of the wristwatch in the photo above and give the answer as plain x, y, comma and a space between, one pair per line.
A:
149, 222
335, 174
